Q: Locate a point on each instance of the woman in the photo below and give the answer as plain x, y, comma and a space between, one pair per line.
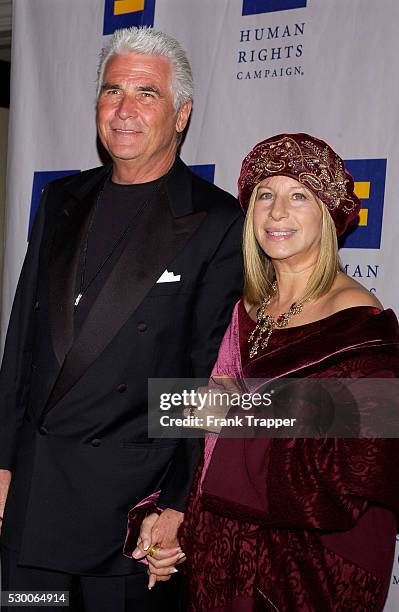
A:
295, 524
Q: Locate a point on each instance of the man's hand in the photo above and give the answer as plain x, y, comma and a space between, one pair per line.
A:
5, 479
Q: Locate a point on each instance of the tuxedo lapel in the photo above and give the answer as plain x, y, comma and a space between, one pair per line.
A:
154, 242
64, 260
62, 279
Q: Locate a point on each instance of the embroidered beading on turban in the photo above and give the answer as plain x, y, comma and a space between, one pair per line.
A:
310, 161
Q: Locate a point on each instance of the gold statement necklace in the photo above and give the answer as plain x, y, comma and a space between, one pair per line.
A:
266, 323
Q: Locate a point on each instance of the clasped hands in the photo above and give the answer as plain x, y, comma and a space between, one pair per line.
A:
158, 543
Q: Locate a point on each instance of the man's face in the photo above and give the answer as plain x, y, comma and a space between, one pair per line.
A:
136, 119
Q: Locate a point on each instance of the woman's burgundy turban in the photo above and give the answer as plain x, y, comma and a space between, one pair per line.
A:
310, 161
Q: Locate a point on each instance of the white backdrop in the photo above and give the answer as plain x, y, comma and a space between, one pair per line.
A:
327, 67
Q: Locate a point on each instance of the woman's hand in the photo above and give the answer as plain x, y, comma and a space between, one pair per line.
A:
162, 562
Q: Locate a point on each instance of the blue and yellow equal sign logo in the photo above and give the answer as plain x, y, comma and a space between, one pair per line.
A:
369, 176
127, 13
254, 7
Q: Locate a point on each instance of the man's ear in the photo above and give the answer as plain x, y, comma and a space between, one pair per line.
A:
183, 116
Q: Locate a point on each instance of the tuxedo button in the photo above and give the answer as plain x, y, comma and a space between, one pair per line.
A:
96, 442
43, 430
142, 327
33, 367
36, 306
121, 388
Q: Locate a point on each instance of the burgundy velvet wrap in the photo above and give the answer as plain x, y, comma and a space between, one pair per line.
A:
298, 524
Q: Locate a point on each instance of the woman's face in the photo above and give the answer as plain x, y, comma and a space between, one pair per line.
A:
287, 220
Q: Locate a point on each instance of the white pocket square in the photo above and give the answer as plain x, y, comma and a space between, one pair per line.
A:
169, 277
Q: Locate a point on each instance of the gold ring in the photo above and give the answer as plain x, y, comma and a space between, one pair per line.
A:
153, 549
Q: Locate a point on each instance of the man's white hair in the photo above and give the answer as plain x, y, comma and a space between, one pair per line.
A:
147, 41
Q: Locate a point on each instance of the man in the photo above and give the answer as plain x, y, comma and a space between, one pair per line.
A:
131, 273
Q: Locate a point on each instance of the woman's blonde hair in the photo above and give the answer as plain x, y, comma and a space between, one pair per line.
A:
259, 271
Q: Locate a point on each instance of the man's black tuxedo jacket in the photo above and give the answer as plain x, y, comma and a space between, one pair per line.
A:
73, 417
